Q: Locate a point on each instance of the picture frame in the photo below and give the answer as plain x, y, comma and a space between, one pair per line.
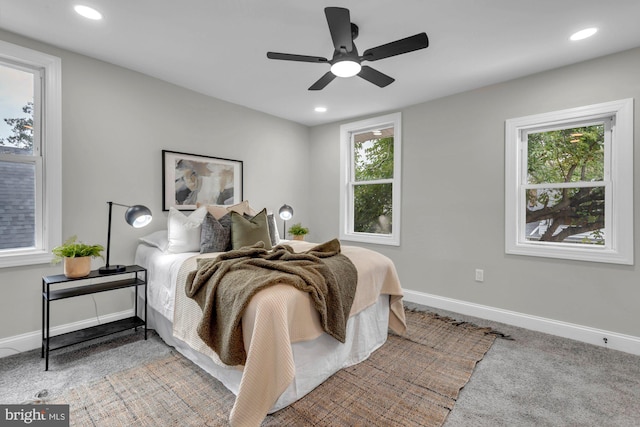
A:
191, 179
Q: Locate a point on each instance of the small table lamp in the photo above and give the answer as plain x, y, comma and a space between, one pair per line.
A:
137, 216
286, 213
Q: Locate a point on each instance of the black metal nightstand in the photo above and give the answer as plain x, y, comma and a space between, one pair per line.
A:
50, 343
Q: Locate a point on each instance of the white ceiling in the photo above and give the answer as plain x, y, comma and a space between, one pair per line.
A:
218, 47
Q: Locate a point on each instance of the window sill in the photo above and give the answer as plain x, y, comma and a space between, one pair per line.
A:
371, 238
568, 251
24, 257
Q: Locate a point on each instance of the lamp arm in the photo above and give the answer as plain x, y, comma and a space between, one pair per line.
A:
119, 204
109, 229
109, 232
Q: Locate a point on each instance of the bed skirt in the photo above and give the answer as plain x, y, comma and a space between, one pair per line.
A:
315, 360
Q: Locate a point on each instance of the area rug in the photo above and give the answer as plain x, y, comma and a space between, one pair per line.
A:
412, 380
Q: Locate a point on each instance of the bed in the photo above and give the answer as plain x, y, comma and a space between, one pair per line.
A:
288, 353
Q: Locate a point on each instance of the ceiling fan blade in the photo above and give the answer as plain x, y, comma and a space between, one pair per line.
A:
398, 47
294, 57
375, 76
323, 81
340, 28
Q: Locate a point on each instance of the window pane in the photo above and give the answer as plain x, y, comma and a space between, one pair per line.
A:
373, 155
569, 215
16, 109
17, 207
373, 208
566, 155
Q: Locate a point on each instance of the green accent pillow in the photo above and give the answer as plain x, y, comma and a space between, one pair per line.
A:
247, 232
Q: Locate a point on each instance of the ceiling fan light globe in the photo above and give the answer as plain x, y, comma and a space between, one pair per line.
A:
346, 68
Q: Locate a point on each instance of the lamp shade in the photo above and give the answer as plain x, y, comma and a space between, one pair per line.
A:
286, 212
138, 216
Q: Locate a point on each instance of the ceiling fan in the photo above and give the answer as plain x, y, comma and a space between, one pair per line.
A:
345, 61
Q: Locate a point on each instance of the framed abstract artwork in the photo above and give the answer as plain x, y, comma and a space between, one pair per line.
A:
189, 179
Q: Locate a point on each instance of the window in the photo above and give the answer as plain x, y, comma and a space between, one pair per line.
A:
569, 184
370, 180
30, 155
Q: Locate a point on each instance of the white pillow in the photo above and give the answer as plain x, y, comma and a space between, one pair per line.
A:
184, 231
159, 239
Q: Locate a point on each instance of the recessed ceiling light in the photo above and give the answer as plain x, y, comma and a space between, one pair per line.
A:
320, 109
87, 12
583, 34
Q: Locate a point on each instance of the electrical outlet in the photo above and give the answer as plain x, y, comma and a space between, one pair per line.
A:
479, 275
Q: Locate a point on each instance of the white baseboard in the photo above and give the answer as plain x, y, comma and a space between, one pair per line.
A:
615, 341
31, 340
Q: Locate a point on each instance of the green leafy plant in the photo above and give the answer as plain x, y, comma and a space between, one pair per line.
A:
71, 248
298, 230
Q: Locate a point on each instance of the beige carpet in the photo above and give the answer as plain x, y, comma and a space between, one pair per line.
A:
410, 380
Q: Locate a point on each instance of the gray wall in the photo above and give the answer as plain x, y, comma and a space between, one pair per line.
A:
453, 200
115, 124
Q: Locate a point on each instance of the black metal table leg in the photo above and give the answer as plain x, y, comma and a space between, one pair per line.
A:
46, 356
42, 342
145, 304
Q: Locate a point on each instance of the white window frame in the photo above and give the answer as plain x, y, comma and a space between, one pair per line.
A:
47, 155
618, 248
347, 179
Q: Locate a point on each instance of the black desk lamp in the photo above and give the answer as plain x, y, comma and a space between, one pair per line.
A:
137, 216
286, 213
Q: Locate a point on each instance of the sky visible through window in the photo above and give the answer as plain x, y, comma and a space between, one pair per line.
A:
16, 90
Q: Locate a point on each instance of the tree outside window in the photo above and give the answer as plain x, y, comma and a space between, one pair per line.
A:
373, 189
21, 129
370, 191
574, 212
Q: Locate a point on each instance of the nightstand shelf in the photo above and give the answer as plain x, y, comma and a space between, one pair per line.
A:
92, 289
50, 343
64, 340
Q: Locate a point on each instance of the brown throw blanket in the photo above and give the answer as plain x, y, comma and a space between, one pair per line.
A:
223, 287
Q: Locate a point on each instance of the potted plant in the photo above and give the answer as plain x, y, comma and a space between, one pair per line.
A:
298, 231
77, 257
